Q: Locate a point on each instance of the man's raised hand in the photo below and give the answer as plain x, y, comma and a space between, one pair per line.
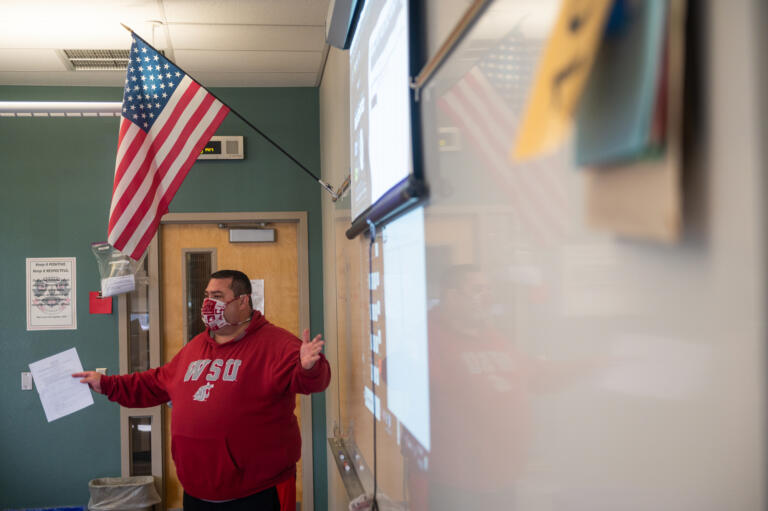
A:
310, 350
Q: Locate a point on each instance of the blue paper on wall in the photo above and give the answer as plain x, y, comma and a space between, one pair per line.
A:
615, 120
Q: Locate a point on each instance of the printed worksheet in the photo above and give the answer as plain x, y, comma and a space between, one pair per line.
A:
60, 393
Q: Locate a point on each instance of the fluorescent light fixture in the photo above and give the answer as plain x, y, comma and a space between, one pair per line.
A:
59, 109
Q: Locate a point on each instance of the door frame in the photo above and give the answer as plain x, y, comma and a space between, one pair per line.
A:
155, 412
302, 247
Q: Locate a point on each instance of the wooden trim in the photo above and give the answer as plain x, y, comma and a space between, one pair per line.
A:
155, 412
122, 343
213, 218
305, 402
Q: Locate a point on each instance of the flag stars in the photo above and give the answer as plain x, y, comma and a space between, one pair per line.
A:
149, 84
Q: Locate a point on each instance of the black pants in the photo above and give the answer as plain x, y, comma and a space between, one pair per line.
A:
266, 500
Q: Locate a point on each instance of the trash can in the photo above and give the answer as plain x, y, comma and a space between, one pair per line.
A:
135, 493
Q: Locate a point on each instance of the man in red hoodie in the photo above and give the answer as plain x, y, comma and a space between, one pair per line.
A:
234, 436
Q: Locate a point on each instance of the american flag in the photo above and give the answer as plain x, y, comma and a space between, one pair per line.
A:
486, 104
166, 121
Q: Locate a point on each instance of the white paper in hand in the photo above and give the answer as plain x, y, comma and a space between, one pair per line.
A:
60, 394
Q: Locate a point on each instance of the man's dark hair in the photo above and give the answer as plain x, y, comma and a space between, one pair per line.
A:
241, 284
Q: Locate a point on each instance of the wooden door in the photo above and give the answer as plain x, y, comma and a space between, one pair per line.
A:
276, 263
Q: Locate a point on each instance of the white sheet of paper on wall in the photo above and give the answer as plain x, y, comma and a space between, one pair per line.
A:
257, 294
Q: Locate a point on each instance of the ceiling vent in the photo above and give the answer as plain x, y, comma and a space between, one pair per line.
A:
97, 60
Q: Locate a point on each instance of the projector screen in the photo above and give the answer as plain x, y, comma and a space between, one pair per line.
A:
405, 340
381, 145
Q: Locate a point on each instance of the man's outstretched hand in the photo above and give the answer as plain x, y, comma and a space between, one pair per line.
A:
310, 350
92, 378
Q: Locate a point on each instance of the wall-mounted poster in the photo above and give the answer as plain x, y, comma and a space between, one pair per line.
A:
51, 294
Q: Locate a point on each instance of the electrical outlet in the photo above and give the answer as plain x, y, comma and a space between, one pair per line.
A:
26, 381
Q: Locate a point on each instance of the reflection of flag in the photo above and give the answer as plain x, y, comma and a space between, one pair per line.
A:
486, 104
167, 119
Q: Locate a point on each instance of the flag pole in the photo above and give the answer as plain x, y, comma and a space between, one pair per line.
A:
322, 183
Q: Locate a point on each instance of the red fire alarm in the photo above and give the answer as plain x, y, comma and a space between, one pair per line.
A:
99, 305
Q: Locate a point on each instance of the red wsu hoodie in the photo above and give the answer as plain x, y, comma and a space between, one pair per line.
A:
233, 431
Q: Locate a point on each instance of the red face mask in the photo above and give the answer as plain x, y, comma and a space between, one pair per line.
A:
213, 313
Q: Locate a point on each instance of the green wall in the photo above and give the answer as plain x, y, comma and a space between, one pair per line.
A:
54, 199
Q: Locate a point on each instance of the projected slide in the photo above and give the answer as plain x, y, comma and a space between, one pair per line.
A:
405, 298
379, 102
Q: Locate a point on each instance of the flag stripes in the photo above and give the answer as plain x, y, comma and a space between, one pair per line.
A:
537, 195
160, 137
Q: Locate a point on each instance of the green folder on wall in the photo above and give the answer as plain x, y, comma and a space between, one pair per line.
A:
622, 111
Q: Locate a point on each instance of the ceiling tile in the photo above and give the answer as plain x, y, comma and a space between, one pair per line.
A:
31, 60
73, 23
262, 12
268, 43
246, 37
195, 61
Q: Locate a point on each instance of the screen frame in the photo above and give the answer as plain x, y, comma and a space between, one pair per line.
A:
411, 190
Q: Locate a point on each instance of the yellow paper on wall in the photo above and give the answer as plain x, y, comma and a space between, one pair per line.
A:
561, 76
